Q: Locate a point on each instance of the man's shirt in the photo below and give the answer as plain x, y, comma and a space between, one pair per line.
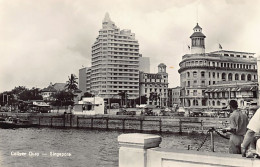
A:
254, 123
238, 121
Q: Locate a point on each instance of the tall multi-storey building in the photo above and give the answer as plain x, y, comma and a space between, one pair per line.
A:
199, 71
115, 62
155, 85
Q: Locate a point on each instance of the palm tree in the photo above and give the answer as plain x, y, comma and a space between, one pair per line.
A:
72, 83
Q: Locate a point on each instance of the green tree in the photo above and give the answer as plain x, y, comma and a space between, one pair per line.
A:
72, 83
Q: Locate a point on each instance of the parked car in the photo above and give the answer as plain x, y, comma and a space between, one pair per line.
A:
209, 114
196, 113
125, 112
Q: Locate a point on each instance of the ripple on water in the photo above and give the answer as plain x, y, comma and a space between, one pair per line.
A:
88, 147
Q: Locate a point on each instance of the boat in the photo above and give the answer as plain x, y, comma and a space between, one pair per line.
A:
11, 122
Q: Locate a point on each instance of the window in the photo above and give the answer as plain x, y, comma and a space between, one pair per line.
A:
230, 77
223, 77
236, 77
188, 74
194, 74
243, 77
194, 92
203, 83
202, 74
249, 77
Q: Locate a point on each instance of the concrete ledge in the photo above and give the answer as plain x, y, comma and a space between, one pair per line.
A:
139, 140
158, 157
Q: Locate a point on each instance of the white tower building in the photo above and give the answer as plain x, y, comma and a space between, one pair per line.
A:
115, 62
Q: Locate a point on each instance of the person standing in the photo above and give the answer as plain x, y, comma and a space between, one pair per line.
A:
238, 127
253, 127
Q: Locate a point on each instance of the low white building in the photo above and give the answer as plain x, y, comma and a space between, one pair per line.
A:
90, 106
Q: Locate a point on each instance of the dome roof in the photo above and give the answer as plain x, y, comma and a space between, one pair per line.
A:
197, 27
161, 65
197, 34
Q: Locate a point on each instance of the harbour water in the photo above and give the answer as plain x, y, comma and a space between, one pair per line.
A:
79, 147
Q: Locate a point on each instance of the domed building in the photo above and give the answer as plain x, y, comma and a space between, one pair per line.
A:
155, 86
210, 80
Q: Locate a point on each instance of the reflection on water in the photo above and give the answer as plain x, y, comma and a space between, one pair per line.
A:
78, 147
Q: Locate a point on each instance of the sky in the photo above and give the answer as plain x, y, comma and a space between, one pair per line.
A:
45, 41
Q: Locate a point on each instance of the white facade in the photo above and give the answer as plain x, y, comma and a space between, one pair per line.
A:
90, 106
155, 83
115, 62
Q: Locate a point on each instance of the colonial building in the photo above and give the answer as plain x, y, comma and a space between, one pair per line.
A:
155, 86
52, 89
174, 97
218, 95
199, 71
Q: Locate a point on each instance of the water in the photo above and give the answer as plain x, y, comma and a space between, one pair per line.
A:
90, 148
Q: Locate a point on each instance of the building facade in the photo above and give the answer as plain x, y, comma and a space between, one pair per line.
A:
199, 71
115, 62
155, 86
174, 97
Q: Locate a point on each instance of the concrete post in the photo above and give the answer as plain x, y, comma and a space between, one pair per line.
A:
133, 148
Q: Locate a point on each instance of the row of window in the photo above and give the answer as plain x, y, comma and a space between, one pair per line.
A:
155, 80
154, 90
219, 64
224, 76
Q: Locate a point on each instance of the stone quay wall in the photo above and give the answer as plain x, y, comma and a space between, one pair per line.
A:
121, 122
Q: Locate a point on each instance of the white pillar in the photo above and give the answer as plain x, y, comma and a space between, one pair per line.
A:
133, 148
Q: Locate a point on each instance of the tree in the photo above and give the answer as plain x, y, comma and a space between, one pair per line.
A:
87, 94
72, 83
154, 96
63, 98
30, 94
143, 100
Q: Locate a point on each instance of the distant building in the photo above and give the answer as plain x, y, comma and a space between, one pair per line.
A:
144, 64
219, 95
155, 84
52, 89
174, 95
115, 62
90, 106
201, 72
